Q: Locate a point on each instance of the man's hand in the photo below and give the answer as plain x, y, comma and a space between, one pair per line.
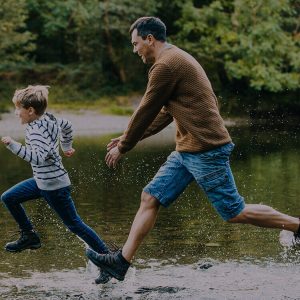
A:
112, 157
113, 143
6, 140
69, 153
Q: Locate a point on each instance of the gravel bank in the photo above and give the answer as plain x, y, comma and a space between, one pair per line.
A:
85, 123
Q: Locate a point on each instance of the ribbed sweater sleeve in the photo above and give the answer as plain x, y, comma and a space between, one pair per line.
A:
162, 120
159, 88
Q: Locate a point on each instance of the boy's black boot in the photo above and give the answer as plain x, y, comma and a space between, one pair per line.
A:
113, 263
296, 238
29, 239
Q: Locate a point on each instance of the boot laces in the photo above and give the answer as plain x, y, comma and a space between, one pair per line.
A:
113, 247
110, 258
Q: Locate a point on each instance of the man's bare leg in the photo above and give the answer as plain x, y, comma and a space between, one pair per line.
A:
266, 216
117, 264
143, 222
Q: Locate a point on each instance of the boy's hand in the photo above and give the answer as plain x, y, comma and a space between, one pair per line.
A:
69, 153
6, 140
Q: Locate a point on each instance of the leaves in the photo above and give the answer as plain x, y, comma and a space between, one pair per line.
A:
16, 41
251, 39
255, 42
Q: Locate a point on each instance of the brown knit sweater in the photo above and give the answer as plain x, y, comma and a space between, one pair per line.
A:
178, 89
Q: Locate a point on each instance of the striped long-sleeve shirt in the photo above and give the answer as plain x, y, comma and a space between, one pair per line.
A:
41, 150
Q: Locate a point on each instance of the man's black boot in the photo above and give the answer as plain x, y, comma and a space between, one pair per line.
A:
103, 277
29, 239
113, 263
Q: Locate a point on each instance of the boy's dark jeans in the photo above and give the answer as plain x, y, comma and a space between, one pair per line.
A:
60, 201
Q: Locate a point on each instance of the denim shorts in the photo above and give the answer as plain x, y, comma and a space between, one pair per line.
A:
212, 172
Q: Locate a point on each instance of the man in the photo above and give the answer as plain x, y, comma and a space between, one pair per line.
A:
178, 89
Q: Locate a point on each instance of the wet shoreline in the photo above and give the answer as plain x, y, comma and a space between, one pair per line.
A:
224, 280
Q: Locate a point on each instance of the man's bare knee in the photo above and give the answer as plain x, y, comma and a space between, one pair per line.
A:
251, 213
148, 201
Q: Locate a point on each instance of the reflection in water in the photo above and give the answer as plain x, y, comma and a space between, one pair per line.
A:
243, 261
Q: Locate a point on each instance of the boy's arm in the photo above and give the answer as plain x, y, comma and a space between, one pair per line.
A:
66, 138
39, 147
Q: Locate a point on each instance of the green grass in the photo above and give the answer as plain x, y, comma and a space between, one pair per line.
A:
70, 98
101, 105
71, 88
112, 105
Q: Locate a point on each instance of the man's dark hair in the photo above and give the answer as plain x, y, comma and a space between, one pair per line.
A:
150, 25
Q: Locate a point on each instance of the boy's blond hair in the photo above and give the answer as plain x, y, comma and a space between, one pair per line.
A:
35, 96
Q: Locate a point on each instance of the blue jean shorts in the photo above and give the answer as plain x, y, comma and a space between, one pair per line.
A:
212, 172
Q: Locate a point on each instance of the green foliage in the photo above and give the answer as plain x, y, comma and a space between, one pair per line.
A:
16, 41
82, 47
254, 41
93, 33
115, 19
55, 24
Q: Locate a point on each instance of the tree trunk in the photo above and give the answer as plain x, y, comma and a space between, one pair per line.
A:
118, 70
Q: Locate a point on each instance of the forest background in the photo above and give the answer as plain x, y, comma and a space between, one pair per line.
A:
82, 49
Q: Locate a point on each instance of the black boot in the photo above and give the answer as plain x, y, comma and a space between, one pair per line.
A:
103, 277
113, 263
296, 239
29, 239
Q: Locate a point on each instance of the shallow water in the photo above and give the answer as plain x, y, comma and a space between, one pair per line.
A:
190, 254
224, 280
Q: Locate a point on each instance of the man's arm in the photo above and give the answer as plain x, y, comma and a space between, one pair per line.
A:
162, 120
159, 89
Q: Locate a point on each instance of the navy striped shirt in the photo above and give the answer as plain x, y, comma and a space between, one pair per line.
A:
41, 150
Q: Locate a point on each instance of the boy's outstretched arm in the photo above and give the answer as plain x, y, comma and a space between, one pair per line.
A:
36, 153
6, 140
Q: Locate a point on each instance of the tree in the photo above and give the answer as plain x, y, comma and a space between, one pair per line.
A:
16, 41
52, 23
91, 32
116, 17
256, 41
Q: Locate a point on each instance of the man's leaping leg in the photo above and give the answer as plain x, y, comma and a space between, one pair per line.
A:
118, 263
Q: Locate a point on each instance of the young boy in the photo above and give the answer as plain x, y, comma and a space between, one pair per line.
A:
50, 179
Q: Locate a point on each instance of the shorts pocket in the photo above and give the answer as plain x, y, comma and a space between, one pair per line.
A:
221, 152
214, 179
